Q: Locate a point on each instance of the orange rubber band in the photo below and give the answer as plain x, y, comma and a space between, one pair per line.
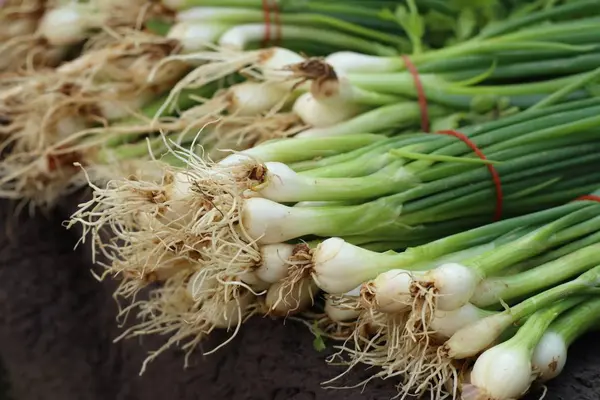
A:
269, 6
491, 168
420, 92
591, 197
422, 98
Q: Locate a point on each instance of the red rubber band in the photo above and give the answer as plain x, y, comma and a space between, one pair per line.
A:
420, 92
588, 197
425, 128
490, 167
269, 6
266, 6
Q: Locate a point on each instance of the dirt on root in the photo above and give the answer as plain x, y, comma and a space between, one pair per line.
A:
57, 326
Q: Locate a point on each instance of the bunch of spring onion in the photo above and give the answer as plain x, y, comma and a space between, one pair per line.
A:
203, 231
45, 110
394, 25
232, 114
96, 116
457, 296
99, 117
348, 103
47, 33
245, 29
350, 92
354, 92
236, 225
237, 111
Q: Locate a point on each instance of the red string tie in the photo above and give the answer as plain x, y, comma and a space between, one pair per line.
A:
590, 197
271, 6
420, 92
490, 167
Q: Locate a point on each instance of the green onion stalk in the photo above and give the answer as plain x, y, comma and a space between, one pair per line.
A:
244, 29
550, 354
436, 172
385, 28
511, 361
381, 103
314, 28
550, 32
240, 32
242, 25
503, 51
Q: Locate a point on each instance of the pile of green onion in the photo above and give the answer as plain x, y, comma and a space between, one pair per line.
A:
415, 180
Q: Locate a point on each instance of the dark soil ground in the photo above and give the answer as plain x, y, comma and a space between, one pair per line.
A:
57, 325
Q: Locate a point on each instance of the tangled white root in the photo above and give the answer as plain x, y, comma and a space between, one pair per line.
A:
422, 312
221, 63
128, 56
172, 310
216, 65
221, 134
366, 344
419, 364
187, 320
124, 205
202, 212
24, 33
285, 301
299, 271
48, 114
20, 47
168, 226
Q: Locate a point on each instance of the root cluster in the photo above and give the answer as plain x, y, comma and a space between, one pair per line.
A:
402, 346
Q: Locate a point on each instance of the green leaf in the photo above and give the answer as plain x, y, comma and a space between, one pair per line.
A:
318, 342
439, 157
387, 15
451, 121
158, 26
593, 90
412, 23
438, 22
466, 24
